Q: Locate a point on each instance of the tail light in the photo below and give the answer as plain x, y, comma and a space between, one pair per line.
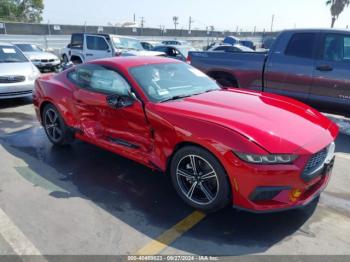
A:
188, 60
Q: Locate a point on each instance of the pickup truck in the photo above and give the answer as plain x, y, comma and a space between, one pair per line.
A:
312, 66
85, 47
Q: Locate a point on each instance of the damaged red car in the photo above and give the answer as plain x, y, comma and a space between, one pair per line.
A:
255, 151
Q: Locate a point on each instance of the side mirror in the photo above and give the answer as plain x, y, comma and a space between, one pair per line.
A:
120, 101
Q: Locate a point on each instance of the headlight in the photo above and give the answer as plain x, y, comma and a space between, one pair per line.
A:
267, 159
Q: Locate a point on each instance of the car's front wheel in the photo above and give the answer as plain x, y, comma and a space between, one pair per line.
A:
200, 179
56, 129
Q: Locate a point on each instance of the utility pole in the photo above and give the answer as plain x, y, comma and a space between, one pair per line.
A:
176, 21
142, 23
190, 22
48, 27
134, 18
272, 20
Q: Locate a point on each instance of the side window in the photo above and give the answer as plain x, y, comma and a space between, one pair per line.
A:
221, 48
302, 45
96, 43
160, 49
77, 41
336, 48
99, 79
347, 48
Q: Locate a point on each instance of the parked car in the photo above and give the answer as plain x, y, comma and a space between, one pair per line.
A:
267, 42
85, 47
312, 66
231, 40
17, 73
220, 146
175, 51
248, 43
175, 42
230, 48
147, 46
41, 59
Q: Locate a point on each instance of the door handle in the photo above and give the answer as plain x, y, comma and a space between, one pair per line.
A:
324, 68
89, 54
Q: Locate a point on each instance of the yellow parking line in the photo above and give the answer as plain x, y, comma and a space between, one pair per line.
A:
169, 236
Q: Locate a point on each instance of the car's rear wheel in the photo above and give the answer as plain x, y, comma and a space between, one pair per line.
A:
56, 129
200, 179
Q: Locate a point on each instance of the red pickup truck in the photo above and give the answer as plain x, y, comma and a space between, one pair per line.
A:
309, 65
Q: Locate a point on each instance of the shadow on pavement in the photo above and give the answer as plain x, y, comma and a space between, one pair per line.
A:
16, 102
145, 200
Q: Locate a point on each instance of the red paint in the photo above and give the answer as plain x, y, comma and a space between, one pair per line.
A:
221, 121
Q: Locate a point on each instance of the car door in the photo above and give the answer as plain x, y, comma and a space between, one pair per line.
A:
289, 68
331, 87
76, 46
96, 47
123, 130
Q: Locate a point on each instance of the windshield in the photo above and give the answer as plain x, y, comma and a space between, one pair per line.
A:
11, 54
184, 50
28, 48
127, 43
162, 82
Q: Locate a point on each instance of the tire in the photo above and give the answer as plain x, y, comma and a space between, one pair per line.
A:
206, 187
227, 82
76, 61
55, 128
65, 59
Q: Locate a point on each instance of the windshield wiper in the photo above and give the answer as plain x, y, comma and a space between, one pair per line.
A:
176, 97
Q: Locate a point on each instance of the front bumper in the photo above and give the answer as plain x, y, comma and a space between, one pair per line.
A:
16, 90
262, 189
46, 65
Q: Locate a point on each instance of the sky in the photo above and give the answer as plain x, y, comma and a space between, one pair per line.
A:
222, 14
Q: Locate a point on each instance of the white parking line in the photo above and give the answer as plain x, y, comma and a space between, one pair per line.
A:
15, 238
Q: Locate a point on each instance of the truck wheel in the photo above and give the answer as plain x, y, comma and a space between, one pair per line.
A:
200, 179
76, 61
65, 59
227, 82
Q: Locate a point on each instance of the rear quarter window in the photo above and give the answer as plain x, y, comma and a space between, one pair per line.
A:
302, 45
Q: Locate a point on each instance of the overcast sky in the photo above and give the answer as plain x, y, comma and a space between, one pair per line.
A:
223, 14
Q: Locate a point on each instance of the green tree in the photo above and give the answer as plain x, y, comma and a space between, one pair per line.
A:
29, 11
337, 7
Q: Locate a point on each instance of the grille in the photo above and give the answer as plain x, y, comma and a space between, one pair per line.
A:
316, 161
47, 60
11, 79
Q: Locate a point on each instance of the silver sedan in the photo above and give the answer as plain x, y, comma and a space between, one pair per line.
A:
17, 73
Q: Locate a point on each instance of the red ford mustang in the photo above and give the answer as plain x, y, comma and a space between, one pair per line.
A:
259, 152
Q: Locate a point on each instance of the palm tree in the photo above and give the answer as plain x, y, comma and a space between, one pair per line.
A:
337, 7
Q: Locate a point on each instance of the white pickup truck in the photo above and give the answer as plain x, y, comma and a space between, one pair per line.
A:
85, 47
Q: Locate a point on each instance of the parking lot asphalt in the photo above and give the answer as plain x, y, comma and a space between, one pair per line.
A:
84, 200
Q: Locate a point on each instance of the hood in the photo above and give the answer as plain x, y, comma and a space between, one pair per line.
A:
40, 55
142, 53
278, 124
23, 69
